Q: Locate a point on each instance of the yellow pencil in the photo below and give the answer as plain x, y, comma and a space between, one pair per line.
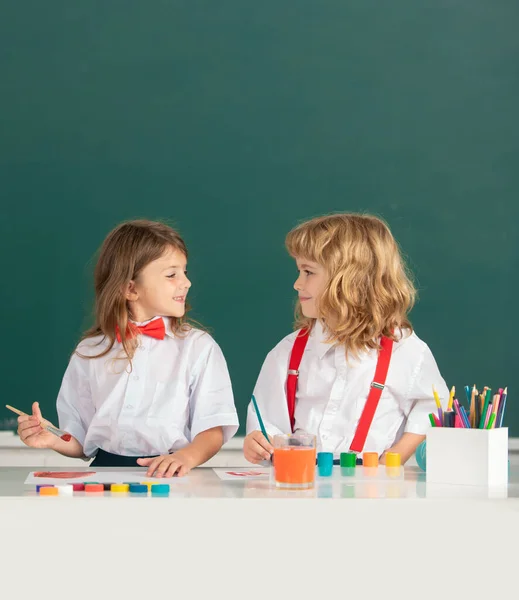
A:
436, 397
451, 398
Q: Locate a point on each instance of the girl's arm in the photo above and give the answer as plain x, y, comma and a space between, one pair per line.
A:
203, 447
71, 448
75, 407
35, 436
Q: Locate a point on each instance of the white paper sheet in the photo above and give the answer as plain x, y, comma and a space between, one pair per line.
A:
242, 474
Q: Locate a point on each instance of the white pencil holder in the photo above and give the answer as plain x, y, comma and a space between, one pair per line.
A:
467, 456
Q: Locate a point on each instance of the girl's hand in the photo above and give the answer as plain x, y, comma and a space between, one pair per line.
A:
256, 448
179, 463
32, 433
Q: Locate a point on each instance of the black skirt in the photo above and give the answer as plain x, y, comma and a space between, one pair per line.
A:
107, 459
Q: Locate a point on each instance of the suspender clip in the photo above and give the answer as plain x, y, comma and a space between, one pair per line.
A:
380, 386
293, 372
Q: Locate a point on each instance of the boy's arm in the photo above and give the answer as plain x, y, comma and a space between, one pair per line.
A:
406, 446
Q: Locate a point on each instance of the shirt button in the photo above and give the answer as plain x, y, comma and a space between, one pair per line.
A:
129, 406
136, 377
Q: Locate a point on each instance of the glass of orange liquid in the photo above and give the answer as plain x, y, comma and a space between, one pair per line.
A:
294, 460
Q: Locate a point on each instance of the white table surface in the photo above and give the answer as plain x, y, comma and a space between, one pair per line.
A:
246, 539
204, 483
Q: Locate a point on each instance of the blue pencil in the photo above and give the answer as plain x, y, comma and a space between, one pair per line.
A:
502, 406
464, 416
468, 394
262, 427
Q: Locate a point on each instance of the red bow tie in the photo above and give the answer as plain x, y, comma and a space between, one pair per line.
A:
155, 329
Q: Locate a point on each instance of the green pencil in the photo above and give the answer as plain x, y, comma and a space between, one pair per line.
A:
431, 418
488, 395
491, 420
262, 427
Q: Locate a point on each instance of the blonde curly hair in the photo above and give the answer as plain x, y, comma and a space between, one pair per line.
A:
369, 290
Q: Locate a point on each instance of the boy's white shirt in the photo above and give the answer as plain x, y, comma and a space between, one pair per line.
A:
332, 391
177, 388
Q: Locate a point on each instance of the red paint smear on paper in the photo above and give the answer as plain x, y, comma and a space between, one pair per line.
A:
245, 473
64, 474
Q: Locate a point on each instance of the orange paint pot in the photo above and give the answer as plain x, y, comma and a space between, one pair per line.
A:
294, 461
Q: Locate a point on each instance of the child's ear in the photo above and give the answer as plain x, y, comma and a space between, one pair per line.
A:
131, 292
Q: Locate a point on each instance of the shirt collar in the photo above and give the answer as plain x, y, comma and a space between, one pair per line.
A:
320, 336
167, 324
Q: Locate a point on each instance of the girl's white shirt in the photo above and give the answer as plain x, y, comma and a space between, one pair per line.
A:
177, 387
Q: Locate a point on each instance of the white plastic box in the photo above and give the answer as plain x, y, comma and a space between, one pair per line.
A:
467, 456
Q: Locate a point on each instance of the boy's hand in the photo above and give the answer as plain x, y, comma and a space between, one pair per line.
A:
256, 448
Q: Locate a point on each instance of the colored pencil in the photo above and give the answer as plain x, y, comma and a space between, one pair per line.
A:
495, 404
487, 418
438, 404
502, 407
484, 412
457, 408
451, 398
468, 395
465, 417
472, 407
448, 418
478, 409
260, 420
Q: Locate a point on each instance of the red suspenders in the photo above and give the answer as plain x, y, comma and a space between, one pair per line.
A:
377, 385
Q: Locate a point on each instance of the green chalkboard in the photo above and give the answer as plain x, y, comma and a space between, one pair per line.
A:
237, 119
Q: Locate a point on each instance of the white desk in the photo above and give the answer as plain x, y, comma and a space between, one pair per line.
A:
247, 539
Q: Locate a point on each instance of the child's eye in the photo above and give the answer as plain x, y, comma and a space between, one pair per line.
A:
309, 272
171, 276
185, 273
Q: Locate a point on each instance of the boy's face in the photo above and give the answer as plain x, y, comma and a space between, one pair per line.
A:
309, 286
160, 288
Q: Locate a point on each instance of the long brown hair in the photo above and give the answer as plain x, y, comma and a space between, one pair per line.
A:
369, 291
125, 252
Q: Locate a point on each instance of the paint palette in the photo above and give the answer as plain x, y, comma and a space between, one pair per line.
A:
91, 488
360, 473
104, 477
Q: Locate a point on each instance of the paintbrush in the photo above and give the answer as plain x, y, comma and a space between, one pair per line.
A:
66, 437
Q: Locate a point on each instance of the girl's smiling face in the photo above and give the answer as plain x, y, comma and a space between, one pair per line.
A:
160, 289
